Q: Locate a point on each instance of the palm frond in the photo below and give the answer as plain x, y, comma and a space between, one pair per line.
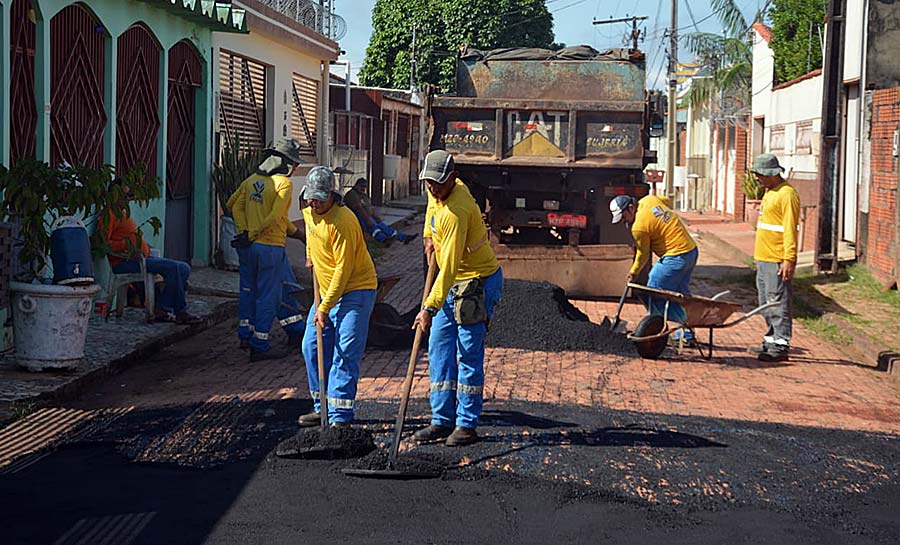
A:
729, 13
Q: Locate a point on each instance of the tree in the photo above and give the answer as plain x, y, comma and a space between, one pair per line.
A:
442, 27
797, 28
726, 60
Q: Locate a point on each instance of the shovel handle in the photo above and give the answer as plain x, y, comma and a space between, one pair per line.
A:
320, 356
619, 308
411, 368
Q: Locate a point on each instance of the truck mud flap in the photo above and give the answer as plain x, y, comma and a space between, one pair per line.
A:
583, 271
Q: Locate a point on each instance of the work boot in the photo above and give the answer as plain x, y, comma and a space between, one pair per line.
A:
245, 344
774, 353
270, 354
343, 425
461, 437
432, 434
309, 420
406, 239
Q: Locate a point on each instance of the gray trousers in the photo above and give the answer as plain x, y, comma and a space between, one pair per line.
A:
772, 288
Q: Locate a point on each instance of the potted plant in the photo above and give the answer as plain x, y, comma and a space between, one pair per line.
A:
235, 166
50, 320
754, 194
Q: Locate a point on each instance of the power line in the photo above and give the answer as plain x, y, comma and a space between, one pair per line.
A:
552, 11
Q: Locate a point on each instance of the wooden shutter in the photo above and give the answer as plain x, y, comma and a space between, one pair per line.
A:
242, 99
305, 115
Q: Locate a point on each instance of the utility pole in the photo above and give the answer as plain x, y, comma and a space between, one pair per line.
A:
412, 64
635, 33
672, 130
830, 196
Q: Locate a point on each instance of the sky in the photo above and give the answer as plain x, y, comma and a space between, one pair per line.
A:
572, 26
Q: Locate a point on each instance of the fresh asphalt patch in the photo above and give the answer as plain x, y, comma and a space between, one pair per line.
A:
541, 472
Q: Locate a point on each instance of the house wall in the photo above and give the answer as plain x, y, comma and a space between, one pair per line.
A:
282, 63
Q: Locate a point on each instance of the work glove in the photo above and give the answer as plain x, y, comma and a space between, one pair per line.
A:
242, 240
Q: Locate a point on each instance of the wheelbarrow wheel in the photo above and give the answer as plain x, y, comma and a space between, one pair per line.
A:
650, 325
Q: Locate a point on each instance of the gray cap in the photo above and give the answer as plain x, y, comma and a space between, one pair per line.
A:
287, 148
766, 165
319, 184
438, 166
618, 206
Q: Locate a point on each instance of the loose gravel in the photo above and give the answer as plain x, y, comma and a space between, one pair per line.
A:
539, 316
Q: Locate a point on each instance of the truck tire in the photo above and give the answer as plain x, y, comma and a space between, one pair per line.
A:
651, 324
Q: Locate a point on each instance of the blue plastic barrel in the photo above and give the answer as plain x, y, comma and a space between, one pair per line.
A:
70, 252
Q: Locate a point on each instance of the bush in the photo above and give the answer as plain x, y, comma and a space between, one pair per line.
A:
752, 190
235, 166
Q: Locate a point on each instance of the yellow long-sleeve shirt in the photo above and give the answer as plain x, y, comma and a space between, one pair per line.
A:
341, 262
429, 211
461, 246
260, 207
659, 230
776, 229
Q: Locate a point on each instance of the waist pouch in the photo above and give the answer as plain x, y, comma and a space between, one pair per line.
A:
469, 306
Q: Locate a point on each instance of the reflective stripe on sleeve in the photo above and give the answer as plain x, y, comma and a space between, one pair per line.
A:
770, 227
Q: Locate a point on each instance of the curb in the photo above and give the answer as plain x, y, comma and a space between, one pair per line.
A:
220, 313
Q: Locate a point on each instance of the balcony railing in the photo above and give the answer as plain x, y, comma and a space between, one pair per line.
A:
317, 15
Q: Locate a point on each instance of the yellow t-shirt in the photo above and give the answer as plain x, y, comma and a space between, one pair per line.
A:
260, 206
341, 261
429, 211
659, 230
777, 226
461, 246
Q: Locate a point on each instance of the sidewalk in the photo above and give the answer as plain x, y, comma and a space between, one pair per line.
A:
113, 345
816, 297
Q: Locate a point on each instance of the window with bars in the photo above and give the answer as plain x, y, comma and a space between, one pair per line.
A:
242, 100
305, 115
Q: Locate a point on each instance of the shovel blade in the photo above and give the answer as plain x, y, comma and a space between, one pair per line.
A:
612, 326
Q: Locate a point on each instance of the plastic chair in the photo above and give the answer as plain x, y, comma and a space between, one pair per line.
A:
118, 290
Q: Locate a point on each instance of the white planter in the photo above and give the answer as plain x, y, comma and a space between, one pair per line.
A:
50, 324
227, 232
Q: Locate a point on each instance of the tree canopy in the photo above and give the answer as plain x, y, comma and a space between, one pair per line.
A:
442, 27
797, 31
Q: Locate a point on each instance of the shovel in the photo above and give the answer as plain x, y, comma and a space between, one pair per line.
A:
618, 325
401, 413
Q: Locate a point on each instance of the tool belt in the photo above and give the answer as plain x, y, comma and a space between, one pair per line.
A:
469, 302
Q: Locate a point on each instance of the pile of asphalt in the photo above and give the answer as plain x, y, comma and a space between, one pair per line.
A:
539, 316
408, 462
327, 443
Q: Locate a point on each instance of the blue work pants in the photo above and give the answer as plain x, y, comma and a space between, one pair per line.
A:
456, 361
344, 340
174, 273
265, 275
288, 312
672, 273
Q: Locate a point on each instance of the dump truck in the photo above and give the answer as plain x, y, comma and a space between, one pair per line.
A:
544, 140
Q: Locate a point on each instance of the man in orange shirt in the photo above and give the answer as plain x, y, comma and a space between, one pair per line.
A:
171, 305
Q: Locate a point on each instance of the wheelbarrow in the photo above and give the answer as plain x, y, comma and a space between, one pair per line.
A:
651, 335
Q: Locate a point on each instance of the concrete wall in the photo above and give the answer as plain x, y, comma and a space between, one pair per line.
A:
883, 43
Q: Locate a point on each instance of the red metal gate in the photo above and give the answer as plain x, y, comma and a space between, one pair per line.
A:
23, 108
185, 73
137, 116
77, 112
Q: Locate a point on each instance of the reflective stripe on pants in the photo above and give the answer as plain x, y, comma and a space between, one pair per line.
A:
345, 340
456, 356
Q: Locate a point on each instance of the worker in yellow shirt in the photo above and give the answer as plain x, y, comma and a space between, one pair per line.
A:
658, 230
460, 305
775, 252
346, 277
260, 210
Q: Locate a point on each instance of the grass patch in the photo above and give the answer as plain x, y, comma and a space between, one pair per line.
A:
824, 329
861, 280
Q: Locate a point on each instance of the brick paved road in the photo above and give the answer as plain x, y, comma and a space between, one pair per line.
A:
818, 387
